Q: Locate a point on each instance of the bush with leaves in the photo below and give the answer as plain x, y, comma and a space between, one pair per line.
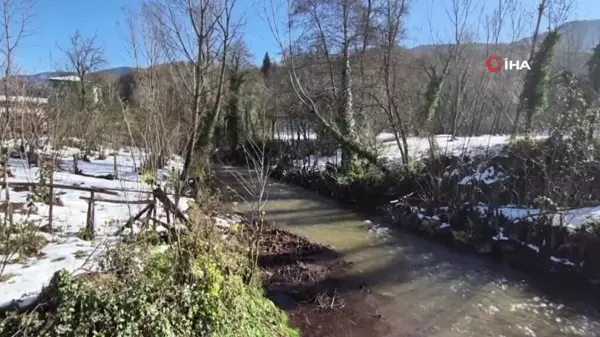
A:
42, 190
195, 288
18, 241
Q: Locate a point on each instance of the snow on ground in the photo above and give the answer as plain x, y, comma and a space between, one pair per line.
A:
419, 147
572, 218
289, 136
477, 145
488, 176
25, 278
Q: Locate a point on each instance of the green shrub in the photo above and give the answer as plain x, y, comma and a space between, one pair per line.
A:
22, 239
192, 289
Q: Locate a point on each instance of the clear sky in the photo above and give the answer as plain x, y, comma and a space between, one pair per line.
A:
55, 20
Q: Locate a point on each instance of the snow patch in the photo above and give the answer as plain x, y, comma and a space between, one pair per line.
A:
65, 250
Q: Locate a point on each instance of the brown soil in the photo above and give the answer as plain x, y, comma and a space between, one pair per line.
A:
306, 280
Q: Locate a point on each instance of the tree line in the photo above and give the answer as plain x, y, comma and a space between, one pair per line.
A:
342, 74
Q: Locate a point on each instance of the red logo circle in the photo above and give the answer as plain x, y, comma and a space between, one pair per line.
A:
494, 59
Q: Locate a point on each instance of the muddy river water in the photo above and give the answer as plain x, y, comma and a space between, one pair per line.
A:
424, 288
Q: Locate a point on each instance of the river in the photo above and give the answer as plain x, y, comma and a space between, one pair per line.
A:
423, 288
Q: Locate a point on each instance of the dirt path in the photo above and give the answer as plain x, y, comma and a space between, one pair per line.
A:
414, 287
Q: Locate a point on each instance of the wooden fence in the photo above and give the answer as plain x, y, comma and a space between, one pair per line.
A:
151, 204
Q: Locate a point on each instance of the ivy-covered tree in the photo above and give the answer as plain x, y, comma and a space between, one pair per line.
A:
593, 65
232, 118
432, 95
536, 89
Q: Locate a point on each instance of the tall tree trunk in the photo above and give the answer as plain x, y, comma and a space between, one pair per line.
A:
196, 112
208, 127
458, 99
347, 113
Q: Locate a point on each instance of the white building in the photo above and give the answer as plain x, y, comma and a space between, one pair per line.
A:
75, 79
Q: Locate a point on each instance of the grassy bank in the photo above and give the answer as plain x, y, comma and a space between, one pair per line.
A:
197, 286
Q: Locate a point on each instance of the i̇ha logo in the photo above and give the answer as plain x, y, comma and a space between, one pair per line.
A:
496, 63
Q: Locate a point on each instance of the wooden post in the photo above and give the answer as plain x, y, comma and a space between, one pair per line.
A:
155, 202
115, 169
9, 211
75, 163
151, 210
51, 192
176, 197
89, 227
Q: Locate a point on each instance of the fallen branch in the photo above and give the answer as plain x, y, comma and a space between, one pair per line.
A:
105, 177
136, 217
161, 196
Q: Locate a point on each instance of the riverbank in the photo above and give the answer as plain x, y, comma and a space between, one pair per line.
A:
305, 280
466, 229
420, 287
544, 243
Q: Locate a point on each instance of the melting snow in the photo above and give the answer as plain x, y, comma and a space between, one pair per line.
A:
563, 261
65, 250
419, 147
500, 236
488, 176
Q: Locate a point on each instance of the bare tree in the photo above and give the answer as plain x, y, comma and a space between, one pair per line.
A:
84, 56
395, 11
341, 31
195, 36
559, 11
307, 99
152, 116
459, 15
16, 24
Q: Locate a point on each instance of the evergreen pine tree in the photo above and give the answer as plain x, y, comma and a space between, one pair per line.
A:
232, 118
265, 69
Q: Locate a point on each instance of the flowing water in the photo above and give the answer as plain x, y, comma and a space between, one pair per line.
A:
424, 289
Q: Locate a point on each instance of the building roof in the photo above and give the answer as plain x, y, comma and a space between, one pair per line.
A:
24, 99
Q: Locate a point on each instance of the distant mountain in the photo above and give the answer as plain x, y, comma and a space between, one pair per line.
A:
576, 45
577, 42
49, 74
116, 71
577, 36
40, 77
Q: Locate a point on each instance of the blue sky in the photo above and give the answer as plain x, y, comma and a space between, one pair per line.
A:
55, 20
